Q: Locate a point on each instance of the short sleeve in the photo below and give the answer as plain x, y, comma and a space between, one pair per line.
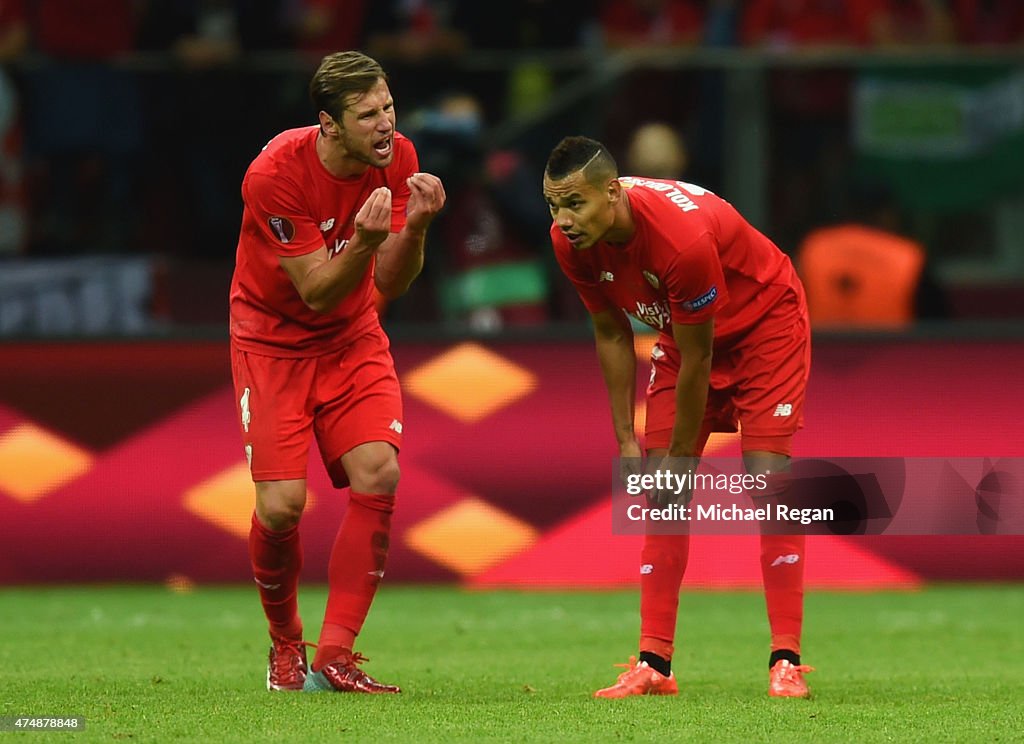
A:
580, 275
695, 282
282, 220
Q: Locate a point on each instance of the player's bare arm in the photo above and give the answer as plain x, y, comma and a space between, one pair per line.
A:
400, 256
613, 337
323, 282
695, 344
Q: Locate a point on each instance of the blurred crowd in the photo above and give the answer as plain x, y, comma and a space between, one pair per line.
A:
126, 125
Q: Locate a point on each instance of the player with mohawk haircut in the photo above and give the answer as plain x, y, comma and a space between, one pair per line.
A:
733, 352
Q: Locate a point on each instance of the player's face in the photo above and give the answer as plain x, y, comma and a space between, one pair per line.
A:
367, 127
583, 212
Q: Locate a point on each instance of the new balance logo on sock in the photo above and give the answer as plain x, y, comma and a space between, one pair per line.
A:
379, 573
646, 569
791, 558
783, 409
267, 586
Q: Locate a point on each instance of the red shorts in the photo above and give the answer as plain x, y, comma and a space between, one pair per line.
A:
758, 384
343, 398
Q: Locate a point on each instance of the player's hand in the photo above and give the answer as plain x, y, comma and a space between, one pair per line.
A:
426, 198
373, 220
672, 493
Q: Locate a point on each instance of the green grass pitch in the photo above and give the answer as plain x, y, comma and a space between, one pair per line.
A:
146, 664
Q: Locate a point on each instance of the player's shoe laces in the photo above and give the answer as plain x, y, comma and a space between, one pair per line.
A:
786, 679
344, 675
639, 679
286, 666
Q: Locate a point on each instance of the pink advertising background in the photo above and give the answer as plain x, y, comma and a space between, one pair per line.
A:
156, 419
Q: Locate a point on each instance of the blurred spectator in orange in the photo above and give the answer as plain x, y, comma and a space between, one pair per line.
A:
13, 218
989, 21
83, 177
656, 150
865, 273
649, 24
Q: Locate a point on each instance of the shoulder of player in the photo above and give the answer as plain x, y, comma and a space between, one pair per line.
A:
284, 146
283, 155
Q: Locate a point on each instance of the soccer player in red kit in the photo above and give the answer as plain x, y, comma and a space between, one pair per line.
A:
332, 212
733, 348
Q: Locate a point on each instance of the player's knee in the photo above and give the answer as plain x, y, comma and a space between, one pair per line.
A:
279, 508
382, 477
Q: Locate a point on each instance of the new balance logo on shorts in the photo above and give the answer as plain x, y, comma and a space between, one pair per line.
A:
783, 409
396, 426
646, 569
785, 559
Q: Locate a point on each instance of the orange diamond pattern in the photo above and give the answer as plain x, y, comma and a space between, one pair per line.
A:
33, 462
470, 536
469, 382
226, 500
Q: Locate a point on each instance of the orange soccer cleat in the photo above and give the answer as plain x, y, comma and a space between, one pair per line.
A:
639, 679
344, 675
786, 679
286, 666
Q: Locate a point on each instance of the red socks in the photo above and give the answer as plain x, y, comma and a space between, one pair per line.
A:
662, 565
782, 566
355, 569
276, 559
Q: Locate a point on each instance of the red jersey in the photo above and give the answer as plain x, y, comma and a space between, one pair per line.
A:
294, 206
692, 257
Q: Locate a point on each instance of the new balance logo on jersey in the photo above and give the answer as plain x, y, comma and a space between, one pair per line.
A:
606, 276
396, 426
646, 569
326, 225
783, 409
785, 559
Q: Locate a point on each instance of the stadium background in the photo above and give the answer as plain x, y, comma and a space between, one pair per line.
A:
118, 236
